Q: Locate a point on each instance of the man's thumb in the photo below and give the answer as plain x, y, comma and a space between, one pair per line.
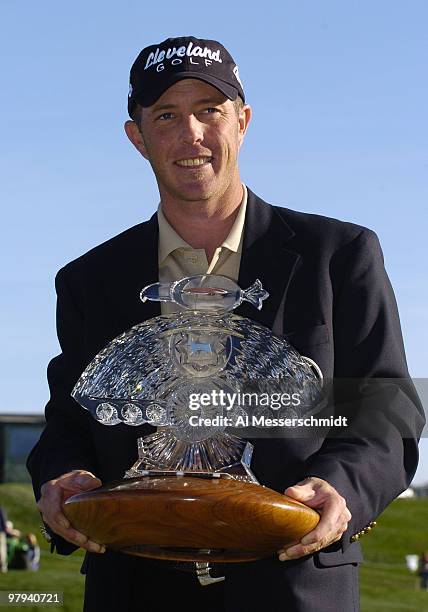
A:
301, 493
87, 482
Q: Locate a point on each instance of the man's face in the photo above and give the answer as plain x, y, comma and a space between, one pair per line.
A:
191, 137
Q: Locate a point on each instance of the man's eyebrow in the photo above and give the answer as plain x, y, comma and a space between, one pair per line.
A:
161, 107
213, 100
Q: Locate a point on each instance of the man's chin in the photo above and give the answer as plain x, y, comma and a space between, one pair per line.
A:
194, 193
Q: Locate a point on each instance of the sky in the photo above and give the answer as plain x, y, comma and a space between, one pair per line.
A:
339, 95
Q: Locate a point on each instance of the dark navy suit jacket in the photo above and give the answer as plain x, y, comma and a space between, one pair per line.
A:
329, 295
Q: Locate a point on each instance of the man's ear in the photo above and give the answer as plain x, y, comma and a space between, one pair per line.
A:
135, 136
244, 120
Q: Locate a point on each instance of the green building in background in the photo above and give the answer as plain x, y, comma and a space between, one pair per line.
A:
18, 434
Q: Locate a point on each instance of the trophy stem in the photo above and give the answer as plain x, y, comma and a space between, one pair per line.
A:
221, 454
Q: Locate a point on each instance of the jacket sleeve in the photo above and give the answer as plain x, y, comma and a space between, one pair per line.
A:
65, 443
378, 457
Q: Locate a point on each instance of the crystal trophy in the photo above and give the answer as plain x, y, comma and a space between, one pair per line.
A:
191, 495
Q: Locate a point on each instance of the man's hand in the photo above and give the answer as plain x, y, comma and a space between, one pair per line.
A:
318, 494
54, 493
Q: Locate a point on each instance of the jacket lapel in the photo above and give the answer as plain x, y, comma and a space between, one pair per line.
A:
265, 256
139, 262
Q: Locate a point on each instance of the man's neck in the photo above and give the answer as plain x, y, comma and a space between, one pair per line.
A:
204, 225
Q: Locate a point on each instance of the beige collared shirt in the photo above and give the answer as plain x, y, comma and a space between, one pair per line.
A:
177, 259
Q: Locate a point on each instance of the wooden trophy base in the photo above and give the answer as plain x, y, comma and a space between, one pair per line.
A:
190, 518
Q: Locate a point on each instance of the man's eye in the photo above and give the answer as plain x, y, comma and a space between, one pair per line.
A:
165, 116
211, 110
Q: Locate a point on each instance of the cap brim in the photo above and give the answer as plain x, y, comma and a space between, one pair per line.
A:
148, 98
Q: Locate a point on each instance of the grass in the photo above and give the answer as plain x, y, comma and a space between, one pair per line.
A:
386, 583
57, 572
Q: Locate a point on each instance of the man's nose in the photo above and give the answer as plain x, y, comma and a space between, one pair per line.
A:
191, 130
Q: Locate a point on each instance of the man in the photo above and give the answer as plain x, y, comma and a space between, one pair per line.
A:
3, 541
329, 295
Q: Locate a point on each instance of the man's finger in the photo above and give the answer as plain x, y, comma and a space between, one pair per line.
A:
300, 550
81, 481
54, 493
61, 526
335, 516
50, 505
77, 538
303, 492
86, 481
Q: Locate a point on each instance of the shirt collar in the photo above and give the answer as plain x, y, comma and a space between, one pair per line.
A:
170, 240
